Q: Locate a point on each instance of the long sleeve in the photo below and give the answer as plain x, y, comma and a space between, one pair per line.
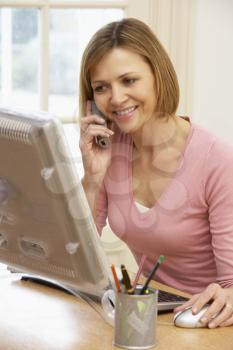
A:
101, 209
219, 195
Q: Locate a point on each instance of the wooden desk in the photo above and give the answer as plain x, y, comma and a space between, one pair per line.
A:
34, 317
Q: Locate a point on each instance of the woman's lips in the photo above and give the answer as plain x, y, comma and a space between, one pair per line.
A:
124, 113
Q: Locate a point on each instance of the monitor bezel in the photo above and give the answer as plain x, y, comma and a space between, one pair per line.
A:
43, 134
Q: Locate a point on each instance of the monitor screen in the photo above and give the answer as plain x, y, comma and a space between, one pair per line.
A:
46, 226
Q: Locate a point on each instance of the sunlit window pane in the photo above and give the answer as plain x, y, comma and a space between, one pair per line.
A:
70, 30
25, 57
0, 53
20, 52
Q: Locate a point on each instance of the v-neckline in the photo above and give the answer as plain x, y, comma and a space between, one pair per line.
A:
170, 182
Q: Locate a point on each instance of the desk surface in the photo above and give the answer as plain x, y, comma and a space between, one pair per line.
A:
35, 317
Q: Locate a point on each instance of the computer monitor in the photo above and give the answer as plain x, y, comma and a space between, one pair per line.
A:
46, 226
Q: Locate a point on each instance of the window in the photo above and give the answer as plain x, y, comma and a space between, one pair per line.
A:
41, 49
0, 52
19, 57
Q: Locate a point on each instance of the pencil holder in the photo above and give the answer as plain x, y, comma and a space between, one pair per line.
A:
135, 320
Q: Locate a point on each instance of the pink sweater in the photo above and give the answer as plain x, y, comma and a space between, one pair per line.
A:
192, 222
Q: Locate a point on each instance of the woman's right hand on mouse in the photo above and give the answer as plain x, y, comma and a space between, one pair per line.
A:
95, 159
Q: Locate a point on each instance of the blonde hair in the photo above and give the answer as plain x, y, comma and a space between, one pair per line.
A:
131, 34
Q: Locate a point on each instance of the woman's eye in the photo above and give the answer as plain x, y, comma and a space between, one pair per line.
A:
99, 88
129, 81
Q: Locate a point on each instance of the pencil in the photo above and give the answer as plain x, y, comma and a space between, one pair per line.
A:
117, 283
142, 261
157, 264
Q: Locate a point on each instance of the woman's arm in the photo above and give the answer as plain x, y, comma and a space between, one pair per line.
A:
95, 158
92, 191
219, 196
97, 199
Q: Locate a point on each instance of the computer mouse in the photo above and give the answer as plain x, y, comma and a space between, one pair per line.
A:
187, 319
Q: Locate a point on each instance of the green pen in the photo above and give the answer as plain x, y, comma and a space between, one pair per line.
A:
158, 263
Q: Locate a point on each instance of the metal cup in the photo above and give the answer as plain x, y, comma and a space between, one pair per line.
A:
135, 320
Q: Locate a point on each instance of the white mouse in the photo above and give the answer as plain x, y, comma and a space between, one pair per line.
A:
187, 319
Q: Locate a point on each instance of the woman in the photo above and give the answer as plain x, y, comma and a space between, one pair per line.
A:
164, 183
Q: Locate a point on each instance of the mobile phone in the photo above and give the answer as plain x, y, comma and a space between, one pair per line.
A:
103, 142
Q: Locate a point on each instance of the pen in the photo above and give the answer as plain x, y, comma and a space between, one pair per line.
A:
126, 280
117, 283
158, 263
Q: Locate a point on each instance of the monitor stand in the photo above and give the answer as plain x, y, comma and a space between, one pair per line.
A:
104, 307
50, 283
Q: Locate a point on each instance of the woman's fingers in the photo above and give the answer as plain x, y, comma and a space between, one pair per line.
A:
212, 292
88, 120
213, 311
220, 309
93, 130
187, 304
223, 316
96, 130
228, 322
88, 108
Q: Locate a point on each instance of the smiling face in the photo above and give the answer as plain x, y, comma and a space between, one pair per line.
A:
124, 89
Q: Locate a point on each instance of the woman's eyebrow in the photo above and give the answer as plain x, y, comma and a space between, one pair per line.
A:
120, 77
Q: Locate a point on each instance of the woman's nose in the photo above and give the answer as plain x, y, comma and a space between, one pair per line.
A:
118, 96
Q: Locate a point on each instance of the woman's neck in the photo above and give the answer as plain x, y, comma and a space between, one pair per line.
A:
156, 134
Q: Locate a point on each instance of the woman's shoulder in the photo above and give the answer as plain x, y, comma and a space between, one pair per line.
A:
214, 144
216, 153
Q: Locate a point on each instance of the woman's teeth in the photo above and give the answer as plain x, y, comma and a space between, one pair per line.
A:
125, 111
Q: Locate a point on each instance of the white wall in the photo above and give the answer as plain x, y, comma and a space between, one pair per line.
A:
212, 97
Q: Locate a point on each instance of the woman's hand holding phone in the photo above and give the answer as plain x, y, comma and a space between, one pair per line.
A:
102, 141
96, 159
